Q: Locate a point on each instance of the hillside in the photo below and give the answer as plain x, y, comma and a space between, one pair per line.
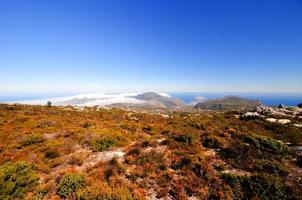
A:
228, 103
95, 153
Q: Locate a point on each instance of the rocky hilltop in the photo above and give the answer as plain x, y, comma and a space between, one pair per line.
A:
228, 103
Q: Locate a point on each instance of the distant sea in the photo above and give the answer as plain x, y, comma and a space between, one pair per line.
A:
269, 99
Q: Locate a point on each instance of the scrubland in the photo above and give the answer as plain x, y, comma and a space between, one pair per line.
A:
49, 152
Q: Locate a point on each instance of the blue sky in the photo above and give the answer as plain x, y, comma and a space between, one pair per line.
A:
75, 46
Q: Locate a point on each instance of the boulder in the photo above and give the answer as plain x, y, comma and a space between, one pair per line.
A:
250, 115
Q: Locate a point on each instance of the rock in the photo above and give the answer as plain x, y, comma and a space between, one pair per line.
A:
298, 125
281, 106
268, 111
280, 121
283, 121
300, 105
251, 115
273, 120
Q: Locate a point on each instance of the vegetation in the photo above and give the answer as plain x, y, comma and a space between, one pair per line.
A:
32, 139
186, 138
103, 143
16, 180
257, 187
51, 154
70, 183
102, 191
48, 104
93, 153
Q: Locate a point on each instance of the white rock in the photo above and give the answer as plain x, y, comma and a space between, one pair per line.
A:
271, 120
283, 121
298, 125
250, 115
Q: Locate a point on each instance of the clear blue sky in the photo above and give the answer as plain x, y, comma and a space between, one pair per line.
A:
142, 45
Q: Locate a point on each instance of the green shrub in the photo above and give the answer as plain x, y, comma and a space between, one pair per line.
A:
210, 141
197, 125
86, 125
267, 187
70, 183
261, 186
102, 144
271, 167
51, 154
147, 129
16, 180
32, 139
236, 183
269, 144
133, 152
186, 138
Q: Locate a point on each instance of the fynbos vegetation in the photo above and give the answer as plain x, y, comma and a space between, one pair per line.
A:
113, 154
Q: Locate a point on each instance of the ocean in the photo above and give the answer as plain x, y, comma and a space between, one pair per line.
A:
270, 99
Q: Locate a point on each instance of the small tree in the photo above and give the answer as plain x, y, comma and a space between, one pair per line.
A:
48, 104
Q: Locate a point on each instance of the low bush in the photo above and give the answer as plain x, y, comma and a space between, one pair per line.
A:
134, 152
102, 191
261, 186
16, 180
271, 167
147, 129
186, 138
210, 141
32, 139
86, 125
102, 144
76, 159
51, 154
197, 125
69, 184
269, 144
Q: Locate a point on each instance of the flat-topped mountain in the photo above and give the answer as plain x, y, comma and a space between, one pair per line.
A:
228, 103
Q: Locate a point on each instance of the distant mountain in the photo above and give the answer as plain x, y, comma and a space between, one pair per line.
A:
158, 99
228, 103
128, 100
